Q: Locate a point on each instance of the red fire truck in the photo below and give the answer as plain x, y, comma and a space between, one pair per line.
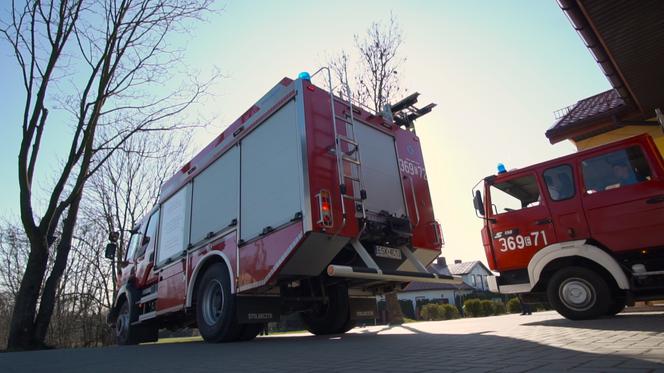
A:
584, 231
306, 203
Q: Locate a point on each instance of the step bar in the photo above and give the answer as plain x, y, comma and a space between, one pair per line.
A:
365, 273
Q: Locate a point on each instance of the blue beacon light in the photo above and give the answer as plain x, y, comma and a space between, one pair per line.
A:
304, 76
501, 168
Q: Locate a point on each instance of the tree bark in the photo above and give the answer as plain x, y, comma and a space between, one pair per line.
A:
23, 315
47, 302
394, 314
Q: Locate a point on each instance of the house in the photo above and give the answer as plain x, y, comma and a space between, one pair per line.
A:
473, 273
474, 279
625, 38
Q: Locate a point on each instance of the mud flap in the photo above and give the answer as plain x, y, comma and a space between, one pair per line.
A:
363, 308
254, 310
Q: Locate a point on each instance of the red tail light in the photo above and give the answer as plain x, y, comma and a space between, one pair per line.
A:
325, 209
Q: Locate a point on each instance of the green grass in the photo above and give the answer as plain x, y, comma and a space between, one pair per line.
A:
178, 340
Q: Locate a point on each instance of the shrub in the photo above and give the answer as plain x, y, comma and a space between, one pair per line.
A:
407, 309
499, 308
439, 312
451, 312
488, 307
513, 305
472, 307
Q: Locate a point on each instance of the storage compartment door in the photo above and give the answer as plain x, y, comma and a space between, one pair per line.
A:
215, 202
271, 174
380, 171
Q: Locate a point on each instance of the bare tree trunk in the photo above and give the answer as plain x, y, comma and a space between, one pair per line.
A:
21, 328
394, 314
62, 254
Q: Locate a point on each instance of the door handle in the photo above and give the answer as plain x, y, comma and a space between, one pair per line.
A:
543, 221
653, 200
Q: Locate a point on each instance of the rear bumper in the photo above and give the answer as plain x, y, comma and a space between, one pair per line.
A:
390, 276
496, 287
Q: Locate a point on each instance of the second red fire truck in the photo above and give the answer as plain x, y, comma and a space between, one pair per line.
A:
306, 204
585, 231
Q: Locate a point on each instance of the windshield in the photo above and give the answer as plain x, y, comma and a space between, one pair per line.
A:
515, 194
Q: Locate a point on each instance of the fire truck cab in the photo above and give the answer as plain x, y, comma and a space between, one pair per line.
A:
584, 231
306, 204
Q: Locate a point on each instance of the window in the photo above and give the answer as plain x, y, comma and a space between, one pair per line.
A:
134, 243
174, 225
560, 182
515, 194
150, 234
615, 170
472, 280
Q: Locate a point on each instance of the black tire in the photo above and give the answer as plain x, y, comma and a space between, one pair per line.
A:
579, 293
617, 305
250, 331
330, 318
215, 306
125, 333
348, 325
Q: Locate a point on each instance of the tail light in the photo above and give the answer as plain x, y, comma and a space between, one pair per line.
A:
324, 208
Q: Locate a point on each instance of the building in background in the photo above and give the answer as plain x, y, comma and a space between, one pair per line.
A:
474, 276
626, 38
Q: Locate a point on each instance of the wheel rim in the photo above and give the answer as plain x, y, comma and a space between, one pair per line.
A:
213, 301
577, 294
122, 323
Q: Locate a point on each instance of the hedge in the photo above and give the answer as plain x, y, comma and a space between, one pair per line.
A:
434, 311
478, 308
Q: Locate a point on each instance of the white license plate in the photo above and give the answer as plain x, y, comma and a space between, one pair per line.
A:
388, 252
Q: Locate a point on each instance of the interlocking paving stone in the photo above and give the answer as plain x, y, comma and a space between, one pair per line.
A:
543, 342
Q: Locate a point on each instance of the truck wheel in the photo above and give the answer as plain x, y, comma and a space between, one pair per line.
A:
617, 305
330, 318
249, 332
125, 333
215, 306
578, 293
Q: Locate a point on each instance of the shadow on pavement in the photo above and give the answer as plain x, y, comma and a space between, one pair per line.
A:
623, 322
356, 352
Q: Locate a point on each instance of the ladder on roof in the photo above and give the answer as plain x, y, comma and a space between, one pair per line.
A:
347, 153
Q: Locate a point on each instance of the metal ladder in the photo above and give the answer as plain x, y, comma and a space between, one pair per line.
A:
351, 157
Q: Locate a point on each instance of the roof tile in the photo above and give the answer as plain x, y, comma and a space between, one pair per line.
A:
588, 109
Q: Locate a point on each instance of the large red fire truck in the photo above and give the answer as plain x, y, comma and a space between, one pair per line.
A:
584, 231
307, 203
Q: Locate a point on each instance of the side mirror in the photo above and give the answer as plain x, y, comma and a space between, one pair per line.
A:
111, 247
479, 204
146, 240
114, 236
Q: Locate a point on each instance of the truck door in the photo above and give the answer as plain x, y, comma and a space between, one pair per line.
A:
519, 220
564, 203
624, 199
145, 276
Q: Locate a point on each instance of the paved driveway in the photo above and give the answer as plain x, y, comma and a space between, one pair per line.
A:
512, 343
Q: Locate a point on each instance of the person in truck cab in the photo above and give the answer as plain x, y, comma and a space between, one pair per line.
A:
560, 186
624, 174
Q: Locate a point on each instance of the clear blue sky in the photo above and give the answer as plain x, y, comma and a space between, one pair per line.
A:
497, 71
